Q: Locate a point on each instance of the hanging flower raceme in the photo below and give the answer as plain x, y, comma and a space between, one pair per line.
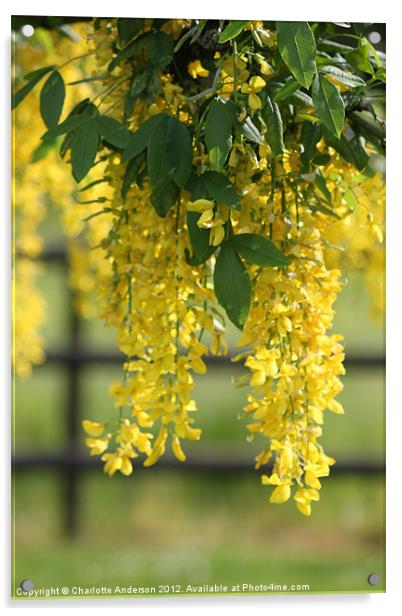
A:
40, 181
225, 186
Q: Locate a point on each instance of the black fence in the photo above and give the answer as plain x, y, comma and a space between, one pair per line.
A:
74, 459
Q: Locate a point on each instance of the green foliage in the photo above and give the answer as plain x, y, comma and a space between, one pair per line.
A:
113, 131
218, 131
32, 78
287, 89
169, 162
259, 250
345, 77
232, 284
84, 146
273, 119
251, 132
232, 30
52, 99
297, 47
139, 140
164, 196
329, 104
128, 28
221, 189
158, 47
199, 238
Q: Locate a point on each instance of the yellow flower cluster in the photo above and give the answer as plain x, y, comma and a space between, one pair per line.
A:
359, 238
294, 365
159, 306
37, 183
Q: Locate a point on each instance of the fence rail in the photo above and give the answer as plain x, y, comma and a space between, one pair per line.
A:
73, 460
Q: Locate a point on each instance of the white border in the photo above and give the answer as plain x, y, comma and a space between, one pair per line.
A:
341, 10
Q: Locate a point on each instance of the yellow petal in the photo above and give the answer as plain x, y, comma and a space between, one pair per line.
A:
93, 428
205, 218
257, 83
254, 101
126, 466
217, 235
280, 494
177, 450
200, 205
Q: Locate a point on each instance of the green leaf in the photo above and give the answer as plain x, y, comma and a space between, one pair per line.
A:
65, 127
273, 119
286, 90
321, 160
163, 196
33, 78
84, 146
218, 131
40, 72
221, 189
158, 47
324, 209
139, 83
322, 186
197, 187
194, 33
128, 28
351, 150
169, 153
259, 250
349, 79
131, 173
329, 105
232, 284
359, 58
199, 238
310, 136
52, 99
113, 131
300, 98
42, 150
232, 30
297, 47
351, 199
139, 140
249, 130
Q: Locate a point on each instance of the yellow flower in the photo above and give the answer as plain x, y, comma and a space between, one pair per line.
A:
255, 85
217, 234
196, 69
97, 445
113, 463
280, 494
93, 428
205, 207
303, 498
177, 450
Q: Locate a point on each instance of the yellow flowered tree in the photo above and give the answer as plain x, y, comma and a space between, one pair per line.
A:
223, 162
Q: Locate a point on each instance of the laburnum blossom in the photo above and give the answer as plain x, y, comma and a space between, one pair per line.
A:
252, 87
160, 305
195, 69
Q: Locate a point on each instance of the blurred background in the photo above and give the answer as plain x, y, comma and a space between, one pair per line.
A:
205, 521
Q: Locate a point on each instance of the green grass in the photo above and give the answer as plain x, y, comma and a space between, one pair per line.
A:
163, 527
